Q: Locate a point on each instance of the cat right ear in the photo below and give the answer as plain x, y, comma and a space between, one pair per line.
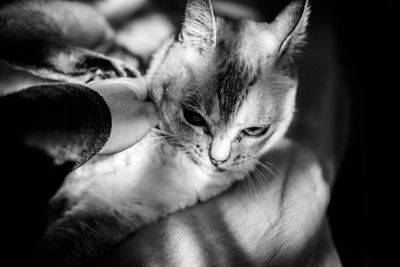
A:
199, 27
290, 25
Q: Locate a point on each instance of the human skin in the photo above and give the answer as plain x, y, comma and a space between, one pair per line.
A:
132, 116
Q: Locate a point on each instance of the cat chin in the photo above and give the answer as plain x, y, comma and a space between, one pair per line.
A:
217, 172
207, 169
211, 170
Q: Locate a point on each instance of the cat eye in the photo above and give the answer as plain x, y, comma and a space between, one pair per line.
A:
194, 118
255, 131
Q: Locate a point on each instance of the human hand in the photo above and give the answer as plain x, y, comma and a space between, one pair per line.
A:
132, 116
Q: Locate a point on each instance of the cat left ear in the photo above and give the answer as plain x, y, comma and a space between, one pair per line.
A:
290, 25
199, 26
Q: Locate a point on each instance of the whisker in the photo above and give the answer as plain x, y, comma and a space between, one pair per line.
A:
163, 133
244, 173
273, 166
269, 170
248, 191
254, 186
251, 193
248, 187
266, 167
237, 189
245, 186
260, 177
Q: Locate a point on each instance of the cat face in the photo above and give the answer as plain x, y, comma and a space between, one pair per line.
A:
226, 89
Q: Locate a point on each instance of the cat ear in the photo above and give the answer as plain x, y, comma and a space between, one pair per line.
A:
199, 26
290, 25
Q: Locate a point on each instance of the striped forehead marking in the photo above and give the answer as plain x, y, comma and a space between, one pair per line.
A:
233, 82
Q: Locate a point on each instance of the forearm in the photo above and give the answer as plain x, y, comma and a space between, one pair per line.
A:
45, 132
70, 123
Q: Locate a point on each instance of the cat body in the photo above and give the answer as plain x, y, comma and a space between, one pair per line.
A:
225, 92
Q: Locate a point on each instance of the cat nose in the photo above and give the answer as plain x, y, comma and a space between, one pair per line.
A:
220, 150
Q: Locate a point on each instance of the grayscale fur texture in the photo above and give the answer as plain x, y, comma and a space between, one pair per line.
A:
237, 76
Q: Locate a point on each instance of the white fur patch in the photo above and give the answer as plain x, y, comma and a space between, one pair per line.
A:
144, 181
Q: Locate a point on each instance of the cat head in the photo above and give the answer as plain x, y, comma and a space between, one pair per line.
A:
226, 88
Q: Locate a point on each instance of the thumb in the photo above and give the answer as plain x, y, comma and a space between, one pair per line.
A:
131, 116
137, 85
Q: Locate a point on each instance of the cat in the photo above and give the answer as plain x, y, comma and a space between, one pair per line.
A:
225, 92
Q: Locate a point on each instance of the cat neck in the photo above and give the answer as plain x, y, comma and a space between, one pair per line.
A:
180, 173
172, 155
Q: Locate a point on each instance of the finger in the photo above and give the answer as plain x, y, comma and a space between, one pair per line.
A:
132, 126
137, 85
144, 118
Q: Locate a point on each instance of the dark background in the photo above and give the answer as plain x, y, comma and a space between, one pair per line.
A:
353, 197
